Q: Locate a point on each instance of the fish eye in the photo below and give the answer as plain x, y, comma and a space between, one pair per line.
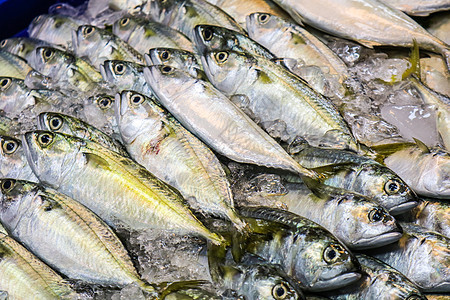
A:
55, 122
3, 43
376, 215
9, 146
263, 18
167, 69
45, 139
392, 186
5, 83
165, 55
119, 69
88, 30
47, 54
104, 103
8, 185
221, 57
280, 291
136, 99
207, 34
124, 21
331, 254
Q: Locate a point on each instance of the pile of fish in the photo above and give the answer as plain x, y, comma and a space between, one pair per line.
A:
185, 149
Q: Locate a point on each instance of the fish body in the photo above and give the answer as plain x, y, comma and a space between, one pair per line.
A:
421, 255
61, 232
99, 45
13, 161
156, 140
212, 117
432, 214
13, 66
270, 93
307, 252
369, 22
144, 35
184, 15
419, 8
114, 187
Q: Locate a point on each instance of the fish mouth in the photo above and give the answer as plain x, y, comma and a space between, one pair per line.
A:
377, 241
403, 207
336, 282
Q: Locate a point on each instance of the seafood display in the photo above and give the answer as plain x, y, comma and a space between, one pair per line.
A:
226, 150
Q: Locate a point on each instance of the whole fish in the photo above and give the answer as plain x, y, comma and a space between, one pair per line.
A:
13, 66
307, 252
421, 255
23, 46
380, 281
61, 231
271, 93
156, 140
99, 45
54, 29
57, 122
419, 8
286, 39
24, 276
184, 15
114, 187
212, 117
425, 170
240, 9
13, 162
369, 22
179, 59
143, 35
350, 171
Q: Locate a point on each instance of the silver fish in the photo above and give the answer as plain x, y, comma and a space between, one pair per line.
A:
419, 8
22, 46
211, 116
99, 110
13, 66
179, 59
13, 162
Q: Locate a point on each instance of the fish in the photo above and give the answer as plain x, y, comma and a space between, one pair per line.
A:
156, 140
184, 15
271, 93
24, 276
99, 45
219, 123
13, 66
288, 40
179, 59
143, 35
13, 161
426, 170
23, 46
380, 281
114, 187
348, 170
419, 8
99, 110
369, 22
306, 251
57, 122
61, 231
423, 256
54, 29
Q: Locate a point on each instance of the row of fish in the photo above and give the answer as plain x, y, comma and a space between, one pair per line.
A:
219, 123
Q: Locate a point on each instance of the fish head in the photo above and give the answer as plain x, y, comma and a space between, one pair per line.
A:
49, 61
57, 122
435, 177
262, 25
124, 74
51, 155
210, 38
87, 40
383, 186
177, 58
15, 96
99, 110
12, 156
162, 79
17, 46
55, 29
228, 70
124, 27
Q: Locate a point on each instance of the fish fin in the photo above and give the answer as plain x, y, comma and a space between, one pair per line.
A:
317, 188
297, 145
166, 288
414, 60
424, 148
238, 245
382, 151
263, 76
96, 160
216, 259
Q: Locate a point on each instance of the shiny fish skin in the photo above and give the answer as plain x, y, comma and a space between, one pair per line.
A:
222, 125
419, 8
144, 35
57, 122
157, 141
306, 251
24, 276
99, 45
15, 96
13, 66
184, 15
61, 231
179, 59
114, 187
13, 161
369, 22
22, 46
271, 93
421, 255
